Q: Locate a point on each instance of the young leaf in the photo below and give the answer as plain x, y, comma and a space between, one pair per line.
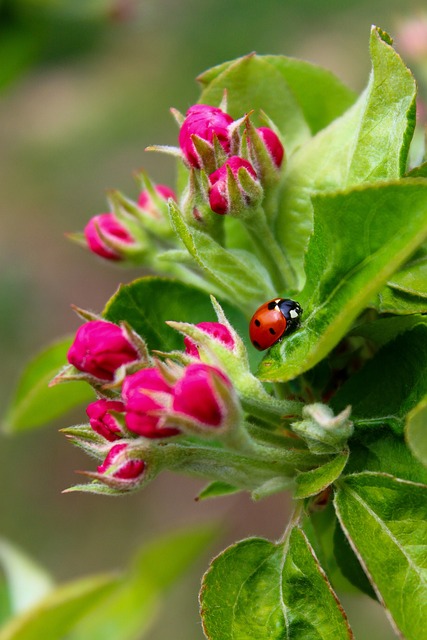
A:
216, 489
128, 611
58, 612
368, 143
390, 300
390, 384
256, 589
360, 238
309, 483
35, 403
385, 521
416, 431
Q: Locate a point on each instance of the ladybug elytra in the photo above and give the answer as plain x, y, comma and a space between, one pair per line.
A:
272, 321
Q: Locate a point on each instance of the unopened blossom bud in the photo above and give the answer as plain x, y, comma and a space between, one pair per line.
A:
102, 421
195, 395
273, 145
119, 465
206, 122
105, 236
101, 347
145, 392
215, 329
220, 200
146, 202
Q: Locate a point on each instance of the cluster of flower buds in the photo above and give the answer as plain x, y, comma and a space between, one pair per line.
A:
153, 402
120, 236
237, 165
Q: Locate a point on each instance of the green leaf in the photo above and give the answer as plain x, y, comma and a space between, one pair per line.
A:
384, 330
309, 483
216, 489
391, 300
254, 83
27, 583
349, 564
368, 143
412, 279
385, 521
390, 384
416, 431
321, 96
360, 238
148, 302
128, 611
236, 273
379, 449
56, 614
256, 589
35, 403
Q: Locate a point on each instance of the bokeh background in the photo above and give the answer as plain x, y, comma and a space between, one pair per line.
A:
85, 86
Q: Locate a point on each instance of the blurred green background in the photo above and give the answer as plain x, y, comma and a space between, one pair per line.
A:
85, 86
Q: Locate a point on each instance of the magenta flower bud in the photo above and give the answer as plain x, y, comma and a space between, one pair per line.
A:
195, 396
146, 202
119, 465
106, 227
273, 145
219, 200
205, 122
215, 329
101, 420
100, 348
145, 392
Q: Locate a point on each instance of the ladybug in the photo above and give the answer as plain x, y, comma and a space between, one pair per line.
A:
272, 321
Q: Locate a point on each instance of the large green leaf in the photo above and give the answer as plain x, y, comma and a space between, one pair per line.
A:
35, 403
321, 96
416, 431
257, 589
148, 302
254, 83
56, 614
368, 143
128, 611
360, 238
385, 521
383, 330
390, 384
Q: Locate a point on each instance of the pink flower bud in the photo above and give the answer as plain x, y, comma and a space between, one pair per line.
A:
206, 122
119, 465
101, 420
146, 202
273, 145
100, 348
106, 226
215, 329
195, 396
219, 200
145, 392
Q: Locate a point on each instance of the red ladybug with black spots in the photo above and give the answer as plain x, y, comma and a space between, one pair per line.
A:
272, 321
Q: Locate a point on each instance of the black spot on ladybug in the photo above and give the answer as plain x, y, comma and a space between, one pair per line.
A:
272, 305
257, 323
272, 331
256, 344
